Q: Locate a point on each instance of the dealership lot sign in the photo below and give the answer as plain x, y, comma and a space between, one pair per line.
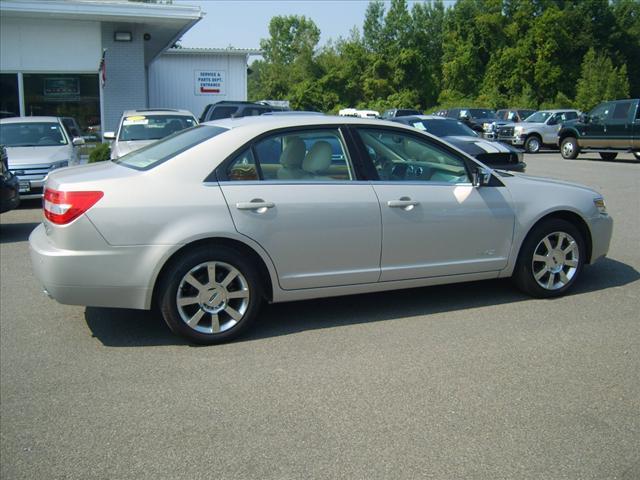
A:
209, 82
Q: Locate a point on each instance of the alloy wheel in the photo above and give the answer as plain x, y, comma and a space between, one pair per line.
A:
212, 297
555, 260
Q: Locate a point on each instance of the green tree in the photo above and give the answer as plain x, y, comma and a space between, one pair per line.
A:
599, 81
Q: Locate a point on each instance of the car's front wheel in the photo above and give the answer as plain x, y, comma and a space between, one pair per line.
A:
551, 259
569, 148
210, 295
533, 144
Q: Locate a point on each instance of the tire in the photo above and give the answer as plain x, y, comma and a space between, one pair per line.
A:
608, 156
542, 272
533, 144
233, 297
637, 155
569, 148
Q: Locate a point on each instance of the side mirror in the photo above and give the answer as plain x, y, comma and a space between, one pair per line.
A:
109, 135
77, 141
552, 121
584, 118
464, 118
480, 177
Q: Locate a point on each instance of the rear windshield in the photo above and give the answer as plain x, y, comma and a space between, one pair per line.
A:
152, 155
153, 127
31, 134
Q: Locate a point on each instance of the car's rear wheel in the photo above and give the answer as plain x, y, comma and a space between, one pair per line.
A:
608, 156
551, 259
569, 148
210, 295
533, 144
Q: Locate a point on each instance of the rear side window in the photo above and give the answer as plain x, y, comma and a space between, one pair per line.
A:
308, 156
621, 111
152, 155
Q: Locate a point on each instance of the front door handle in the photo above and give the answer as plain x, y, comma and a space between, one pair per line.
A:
404, 202
257, 204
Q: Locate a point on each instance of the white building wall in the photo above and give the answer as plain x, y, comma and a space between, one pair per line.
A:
172, 80
39, 46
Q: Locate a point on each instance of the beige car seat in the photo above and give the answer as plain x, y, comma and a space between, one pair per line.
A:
318, 161
291, 159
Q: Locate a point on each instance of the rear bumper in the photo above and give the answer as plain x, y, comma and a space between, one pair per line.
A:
120, 277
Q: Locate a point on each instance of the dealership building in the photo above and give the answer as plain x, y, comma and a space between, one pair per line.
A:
94, 59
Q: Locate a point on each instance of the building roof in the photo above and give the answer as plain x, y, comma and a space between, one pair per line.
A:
213, 51
165, 23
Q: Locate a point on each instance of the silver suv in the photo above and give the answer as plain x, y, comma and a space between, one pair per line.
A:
537, 130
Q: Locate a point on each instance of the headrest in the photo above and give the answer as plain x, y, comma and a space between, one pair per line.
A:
293, 153
318, 159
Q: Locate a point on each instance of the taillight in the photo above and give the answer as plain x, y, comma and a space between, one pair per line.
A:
63, 207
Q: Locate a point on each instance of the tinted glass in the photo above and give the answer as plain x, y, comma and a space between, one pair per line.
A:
478, 113
621, 110
397, 156
305, 155
153, 127
222, 112
43, 134
158, 152
444, 128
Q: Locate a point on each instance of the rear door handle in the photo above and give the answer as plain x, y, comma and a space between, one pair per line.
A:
256, 204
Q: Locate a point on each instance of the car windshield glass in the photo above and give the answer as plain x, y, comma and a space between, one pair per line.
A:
444, 128
222, 112
31, 134
481, 113
538, 117
153, 127
525, 113
158, 152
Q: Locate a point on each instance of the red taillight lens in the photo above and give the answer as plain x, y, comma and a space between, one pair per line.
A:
63, 207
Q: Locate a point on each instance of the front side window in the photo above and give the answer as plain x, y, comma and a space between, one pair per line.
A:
31, 134
601, 112
398, 156
162, 150
305, 155
153, 127
538, 117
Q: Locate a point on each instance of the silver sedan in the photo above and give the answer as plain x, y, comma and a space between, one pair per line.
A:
209, 223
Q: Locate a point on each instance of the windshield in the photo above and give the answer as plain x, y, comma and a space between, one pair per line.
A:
158, 152
153, 127
28, 134
444, 128
538, 117
478, 113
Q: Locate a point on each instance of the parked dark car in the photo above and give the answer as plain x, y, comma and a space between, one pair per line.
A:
232, 109
609, 128
9, 184
493, 154
474, 118
399, 112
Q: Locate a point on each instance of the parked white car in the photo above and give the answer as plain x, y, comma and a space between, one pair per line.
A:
36, 146
139, 128
354, 112
537, 130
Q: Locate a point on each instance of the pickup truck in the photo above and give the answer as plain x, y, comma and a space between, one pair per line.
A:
609, 128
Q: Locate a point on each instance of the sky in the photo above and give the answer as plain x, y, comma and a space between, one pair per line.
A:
242, 23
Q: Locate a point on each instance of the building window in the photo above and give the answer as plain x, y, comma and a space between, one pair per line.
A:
63, 95
9, 97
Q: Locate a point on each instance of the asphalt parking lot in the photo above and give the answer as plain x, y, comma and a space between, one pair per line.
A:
464, 381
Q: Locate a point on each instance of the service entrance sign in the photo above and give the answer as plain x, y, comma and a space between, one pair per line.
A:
209, 82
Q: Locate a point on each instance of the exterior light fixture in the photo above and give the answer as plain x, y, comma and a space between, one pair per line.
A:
122, 36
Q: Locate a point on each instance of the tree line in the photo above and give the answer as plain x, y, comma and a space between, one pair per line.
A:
489, 53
